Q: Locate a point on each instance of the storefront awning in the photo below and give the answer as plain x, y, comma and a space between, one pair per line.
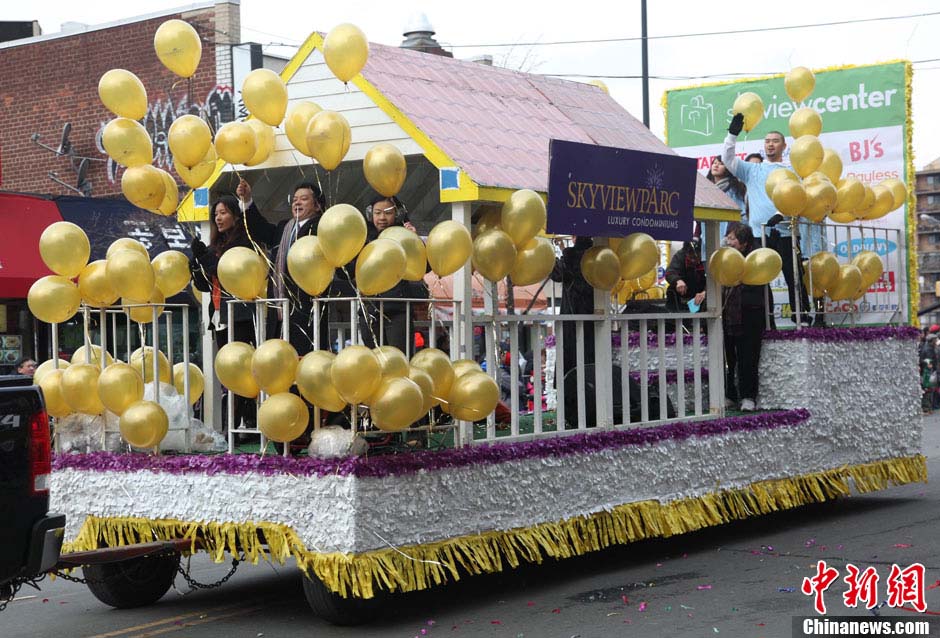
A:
22, 220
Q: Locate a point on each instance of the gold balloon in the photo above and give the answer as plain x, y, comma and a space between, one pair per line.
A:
308, 266
600, 267
473, 397
385, 169
821, 198
799, 83
80, 388
426, 383
356, 373
199, 174
726, 266
142, 361
523, 216
123, 94
274, 366
265, 96
601, 85
197, 381
789, 197
638, 254
534, 262
345, 50
127, 243
831, 165
750, 105
236, 142
398, 402
805, 121
761, 266
328, 138
92, 355
53, 299
171, 195
776, 176
437, 365
64, 248
171, 272
342, 231
131, 275
144, 314
494, 254
144, 424
127, 142
295, 126
490, 218
868, 200
842, 218
197, 294
881, 205
264, 142
178, 47
823, 269
283, 417
233, 368
871, 267
46, 367
315, 383
848, 283
120, 386
465, 366
655, 292
189, 138
392, 361
898, 192
647, 281
849, 194
416, 254
380, 266
143, 186
51, 384
243, 272
806, 155
449, 246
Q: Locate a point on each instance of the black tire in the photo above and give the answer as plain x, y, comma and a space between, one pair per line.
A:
132, 583
337, 610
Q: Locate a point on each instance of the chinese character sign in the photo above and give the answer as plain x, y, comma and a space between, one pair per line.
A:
602, 191
903, 586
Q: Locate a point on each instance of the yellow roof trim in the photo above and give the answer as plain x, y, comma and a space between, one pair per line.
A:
716, 214
186, 212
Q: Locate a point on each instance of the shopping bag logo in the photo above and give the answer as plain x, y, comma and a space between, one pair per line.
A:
697, 117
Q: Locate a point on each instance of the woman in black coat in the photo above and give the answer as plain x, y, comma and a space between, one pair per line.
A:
227, 231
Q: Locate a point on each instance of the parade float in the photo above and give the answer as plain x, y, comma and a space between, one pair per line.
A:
645, 451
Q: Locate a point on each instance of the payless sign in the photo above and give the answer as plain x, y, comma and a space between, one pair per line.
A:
600, 191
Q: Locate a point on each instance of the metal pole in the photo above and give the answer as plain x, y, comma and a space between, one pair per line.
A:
645, 60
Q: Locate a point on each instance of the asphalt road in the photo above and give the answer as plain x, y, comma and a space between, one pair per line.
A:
740, 580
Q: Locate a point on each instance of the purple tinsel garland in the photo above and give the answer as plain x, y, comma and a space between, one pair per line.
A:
844, 334
428, 461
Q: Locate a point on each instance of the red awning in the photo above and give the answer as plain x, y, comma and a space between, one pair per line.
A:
22, 220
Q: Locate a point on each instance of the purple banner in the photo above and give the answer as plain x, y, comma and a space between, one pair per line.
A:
601, 191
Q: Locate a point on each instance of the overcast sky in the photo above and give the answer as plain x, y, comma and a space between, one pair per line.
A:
527, 25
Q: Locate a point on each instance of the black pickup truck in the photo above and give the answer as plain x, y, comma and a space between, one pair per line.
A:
30, 537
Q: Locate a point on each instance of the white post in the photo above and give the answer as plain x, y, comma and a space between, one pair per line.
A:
463, 290
716, 344
212, 395
603, 362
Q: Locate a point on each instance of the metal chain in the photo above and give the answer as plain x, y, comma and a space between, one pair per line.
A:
194, 584
15, 587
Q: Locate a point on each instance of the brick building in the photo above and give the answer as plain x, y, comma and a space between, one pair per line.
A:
927, 188
48, 81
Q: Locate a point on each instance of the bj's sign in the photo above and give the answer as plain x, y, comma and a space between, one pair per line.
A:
601, 191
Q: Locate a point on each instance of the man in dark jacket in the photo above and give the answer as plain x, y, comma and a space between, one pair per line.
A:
686, 278
577, 298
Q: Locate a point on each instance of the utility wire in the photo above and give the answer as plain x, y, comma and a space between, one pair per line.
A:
695, 35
